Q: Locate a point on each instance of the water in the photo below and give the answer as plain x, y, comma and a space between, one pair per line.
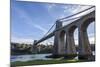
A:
34, 57
30, 57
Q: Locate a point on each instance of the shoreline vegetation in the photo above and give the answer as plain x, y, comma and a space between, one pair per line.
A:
43, 62
24, 49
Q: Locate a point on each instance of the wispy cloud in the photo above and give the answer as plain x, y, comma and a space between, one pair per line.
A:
66, 10
73, 9
29, 21
51, 6
24, 15
76, 8
40, 28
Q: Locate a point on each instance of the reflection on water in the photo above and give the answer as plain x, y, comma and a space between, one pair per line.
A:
33, 57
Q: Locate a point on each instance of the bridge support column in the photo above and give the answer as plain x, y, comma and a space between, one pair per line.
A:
57, 49
85, 51
34, 47
70, 46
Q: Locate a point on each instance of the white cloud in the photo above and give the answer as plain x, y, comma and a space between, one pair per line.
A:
67, 10
79, 8
92, 40
50, 6
22, 40
48, 41
73, 9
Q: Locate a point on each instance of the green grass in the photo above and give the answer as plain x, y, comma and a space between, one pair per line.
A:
42, 62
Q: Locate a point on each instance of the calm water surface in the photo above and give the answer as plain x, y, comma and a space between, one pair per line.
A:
33, 57
30, 57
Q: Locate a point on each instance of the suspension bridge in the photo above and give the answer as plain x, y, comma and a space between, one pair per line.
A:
64, 44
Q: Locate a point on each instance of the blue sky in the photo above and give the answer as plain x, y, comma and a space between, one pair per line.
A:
31, 20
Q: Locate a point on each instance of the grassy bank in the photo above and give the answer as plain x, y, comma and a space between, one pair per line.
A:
42, 62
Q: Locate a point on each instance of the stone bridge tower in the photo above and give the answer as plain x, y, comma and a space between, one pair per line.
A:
63, 43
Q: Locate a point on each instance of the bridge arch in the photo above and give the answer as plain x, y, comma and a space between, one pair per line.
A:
71, 30
86, 23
